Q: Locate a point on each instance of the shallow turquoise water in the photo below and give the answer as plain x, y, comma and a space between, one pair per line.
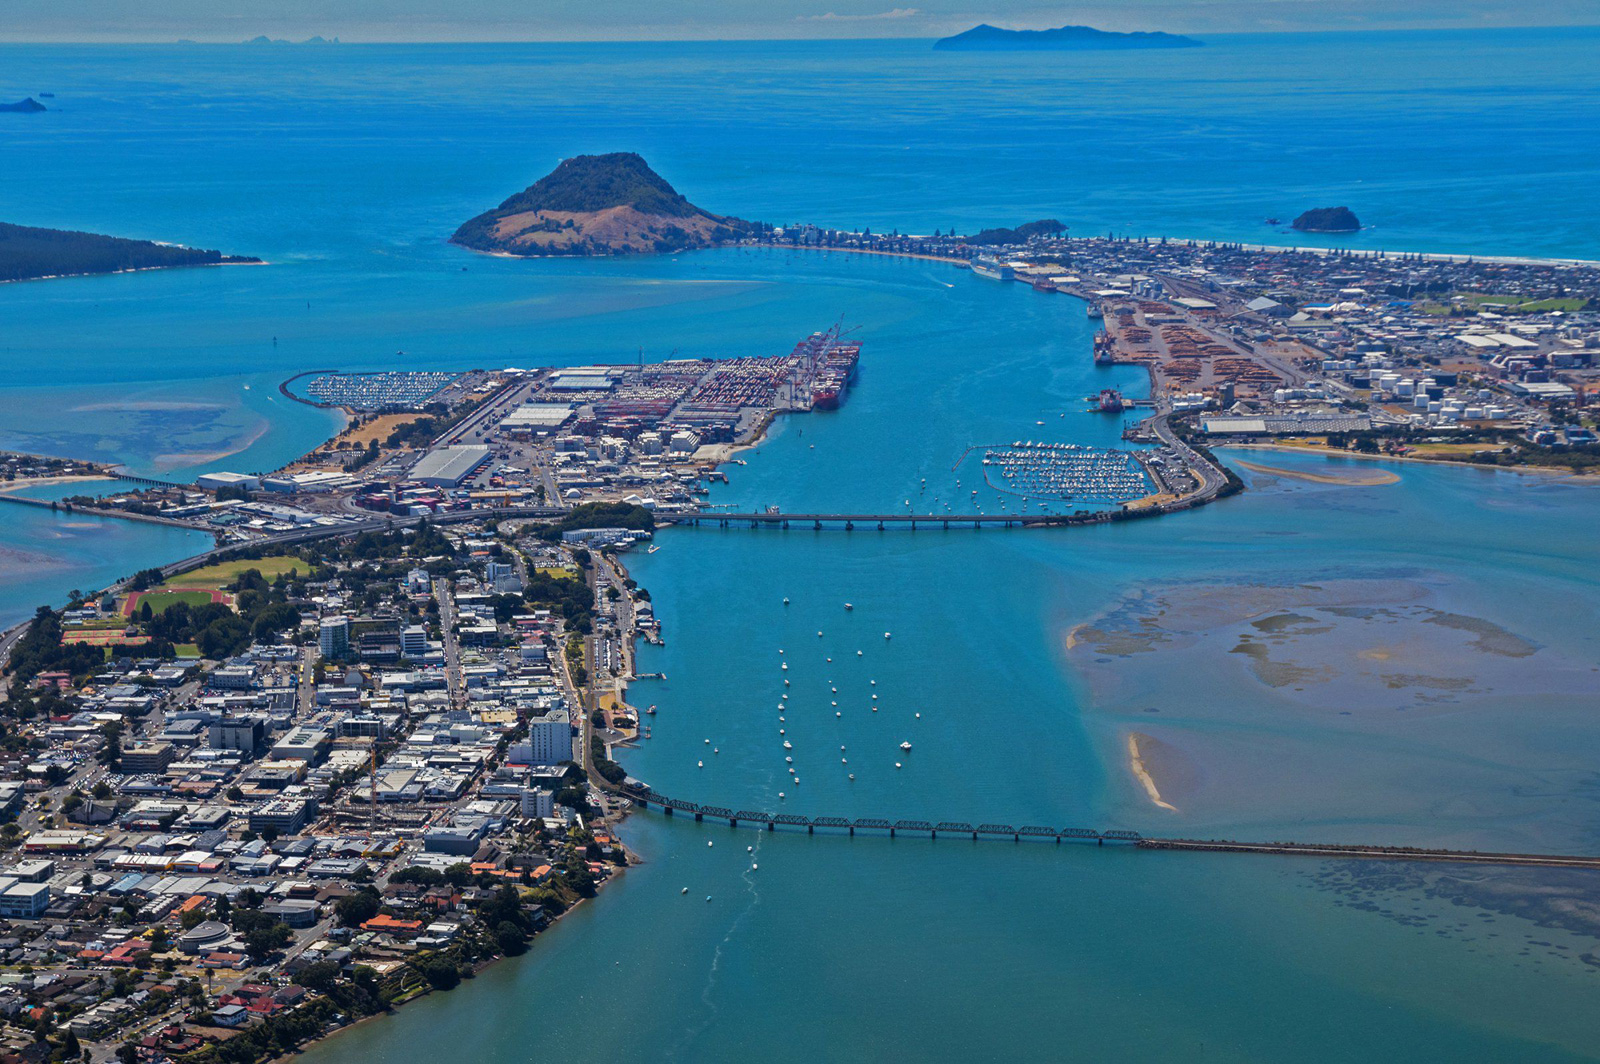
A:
347, 167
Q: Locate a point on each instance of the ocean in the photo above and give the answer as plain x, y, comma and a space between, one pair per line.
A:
1410, 661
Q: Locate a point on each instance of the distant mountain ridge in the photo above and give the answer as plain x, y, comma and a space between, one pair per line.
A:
30, 106
598, 205
987, 38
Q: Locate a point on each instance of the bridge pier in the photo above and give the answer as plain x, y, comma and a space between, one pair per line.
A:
733, 821
891, 833
698, 817
667, 809
786, 525
769, 825
849, 526
880, 526
817, 526
852, 831
811, 829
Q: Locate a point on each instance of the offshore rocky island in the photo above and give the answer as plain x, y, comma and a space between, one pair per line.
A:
610, 204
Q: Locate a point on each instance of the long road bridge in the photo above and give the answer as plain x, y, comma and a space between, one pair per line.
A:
646, 798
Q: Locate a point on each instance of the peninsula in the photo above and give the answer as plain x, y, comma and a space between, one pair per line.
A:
30, 106
598, 205
28, 253
986, 38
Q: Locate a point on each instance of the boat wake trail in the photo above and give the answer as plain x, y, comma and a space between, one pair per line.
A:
753, 895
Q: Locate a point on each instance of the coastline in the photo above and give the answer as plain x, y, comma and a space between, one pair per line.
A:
477, 969
135, 269
45, 482
1142, 773
1286, 448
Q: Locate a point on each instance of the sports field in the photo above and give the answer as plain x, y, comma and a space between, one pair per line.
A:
224, 573
160, 599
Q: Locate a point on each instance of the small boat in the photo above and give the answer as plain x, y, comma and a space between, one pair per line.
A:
788, 745
651, 711
699, 764
685, 890
789, 760
852, 775
906, 747
653, 548
848, 606
897, 764
819, 635
888, 635
784, 666
710, 843
858, 653
780, 796
785, 602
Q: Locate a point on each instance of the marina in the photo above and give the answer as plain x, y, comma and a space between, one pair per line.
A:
1065, 472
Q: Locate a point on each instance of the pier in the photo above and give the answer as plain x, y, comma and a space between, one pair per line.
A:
646, 798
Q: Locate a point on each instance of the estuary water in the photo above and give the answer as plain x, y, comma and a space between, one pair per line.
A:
1331, 656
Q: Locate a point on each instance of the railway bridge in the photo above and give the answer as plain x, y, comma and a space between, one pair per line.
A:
647, 798
849, 521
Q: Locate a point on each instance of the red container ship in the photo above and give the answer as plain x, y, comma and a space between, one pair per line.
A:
830, 364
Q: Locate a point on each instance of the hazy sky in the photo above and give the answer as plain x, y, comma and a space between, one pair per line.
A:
514, 20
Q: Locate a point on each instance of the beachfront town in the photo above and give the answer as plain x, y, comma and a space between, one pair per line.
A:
1442, 356
257, 801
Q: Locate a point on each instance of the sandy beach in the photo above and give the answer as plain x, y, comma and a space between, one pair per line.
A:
1577, 478
1142, 773
1363, 479
42, 482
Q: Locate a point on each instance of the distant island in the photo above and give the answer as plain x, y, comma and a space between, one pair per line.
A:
29, 106
27, 253
986, 38
264, 39
1327, 220
598, 205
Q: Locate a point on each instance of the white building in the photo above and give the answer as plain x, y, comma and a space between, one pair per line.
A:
217, 481
414, 643
538, 802
549, 740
